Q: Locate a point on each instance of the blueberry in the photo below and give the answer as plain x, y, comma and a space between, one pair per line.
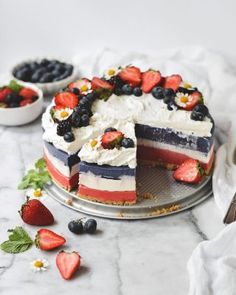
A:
84, 102
35, 77
109, 129
158, 92
201, 108
47, 77
127, 89
91, 96
90, 226
40, 71
127, 143
44, 62
69, 68
13, 98
23, 74
55, 73
137, 91
85, 120
69, 137
76, 227
34, 66
196, 116
168, 99
117, 91
169, 92
75, 120
63, 127
13, 105
75, 91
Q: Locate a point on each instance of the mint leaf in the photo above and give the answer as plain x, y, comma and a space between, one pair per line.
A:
14, 86
18, 241
36, 178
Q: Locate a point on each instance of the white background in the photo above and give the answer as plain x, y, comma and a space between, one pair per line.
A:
66, 27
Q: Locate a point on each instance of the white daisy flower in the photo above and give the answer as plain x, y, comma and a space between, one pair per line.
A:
36, 194
181, 99
39, 265
186, 85
111, 72
62, 114
84, 86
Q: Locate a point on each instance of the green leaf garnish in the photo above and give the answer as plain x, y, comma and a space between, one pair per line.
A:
36, 178
14, 86
18, 241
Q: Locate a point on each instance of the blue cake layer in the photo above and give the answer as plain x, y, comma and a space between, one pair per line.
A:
168, 136
68, 160
106, 171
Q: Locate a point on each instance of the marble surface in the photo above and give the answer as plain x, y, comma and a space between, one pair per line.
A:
124, 257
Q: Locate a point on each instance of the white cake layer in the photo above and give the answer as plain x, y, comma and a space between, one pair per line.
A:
60, 166
125, 183
202, 157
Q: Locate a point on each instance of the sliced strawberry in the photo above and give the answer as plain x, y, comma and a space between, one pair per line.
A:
28, 93
66, 99
131, 75
98, 83
189, 171
26, 101
112, 139
47, 240
194, 99
68, 263
172, 82
150, 79
78, 83
4, 92
58, 107
36, 213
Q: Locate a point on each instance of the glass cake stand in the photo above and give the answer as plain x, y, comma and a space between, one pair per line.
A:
158, 195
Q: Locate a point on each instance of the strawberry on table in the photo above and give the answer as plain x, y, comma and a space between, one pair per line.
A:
150, 79
112, 139
47, 240
131, 75
172, 82
33, 212
66, 99
98, 83
4, 92
68, 263
189, 171
27, 93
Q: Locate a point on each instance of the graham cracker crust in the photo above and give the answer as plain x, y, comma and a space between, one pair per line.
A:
109, 202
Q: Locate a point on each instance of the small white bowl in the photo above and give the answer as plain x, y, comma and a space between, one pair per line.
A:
22, 115
50, 87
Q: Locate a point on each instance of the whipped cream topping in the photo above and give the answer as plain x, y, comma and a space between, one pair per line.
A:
113, 157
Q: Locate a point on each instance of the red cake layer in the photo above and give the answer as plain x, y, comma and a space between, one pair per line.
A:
166, 157
67, 182
113, 197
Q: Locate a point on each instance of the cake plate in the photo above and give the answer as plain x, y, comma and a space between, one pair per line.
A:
158, 195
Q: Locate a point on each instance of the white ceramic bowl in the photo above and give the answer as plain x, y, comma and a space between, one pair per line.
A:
51, 87
22, 115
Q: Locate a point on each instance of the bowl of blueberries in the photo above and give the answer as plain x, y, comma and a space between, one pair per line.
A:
49, 75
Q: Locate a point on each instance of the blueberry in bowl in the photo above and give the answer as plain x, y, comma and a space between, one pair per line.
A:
48, 74
20, 103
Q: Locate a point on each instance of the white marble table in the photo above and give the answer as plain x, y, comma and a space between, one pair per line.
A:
124, 258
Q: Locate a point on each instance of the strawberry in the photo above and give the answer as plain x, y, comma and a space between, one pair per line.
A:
150, 79
68, 263
172, 82
98, 83
27, 93
66, 99
131, 75
4, 92
26, 101
35, 213
47, 240
194, 99
189, 171
112, 139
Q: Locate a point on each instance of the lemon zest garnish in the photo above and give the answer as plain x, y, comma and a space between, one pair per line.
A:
64, 114
184, 99
187, 85
84, 88
93, 142
38, 264
111, 72
38, 193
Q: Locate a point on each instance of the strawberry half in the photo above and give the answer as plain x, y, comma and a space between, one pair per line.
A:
68, 263
47, 240
172, 82
35, 213
27, 93
66, 99
189, 171
194, 99
150, 79
98, 83
131, 75
4, 92
112, 139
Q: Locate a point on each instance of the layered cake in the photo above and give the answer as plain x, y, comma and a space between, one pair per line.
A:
96, 131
